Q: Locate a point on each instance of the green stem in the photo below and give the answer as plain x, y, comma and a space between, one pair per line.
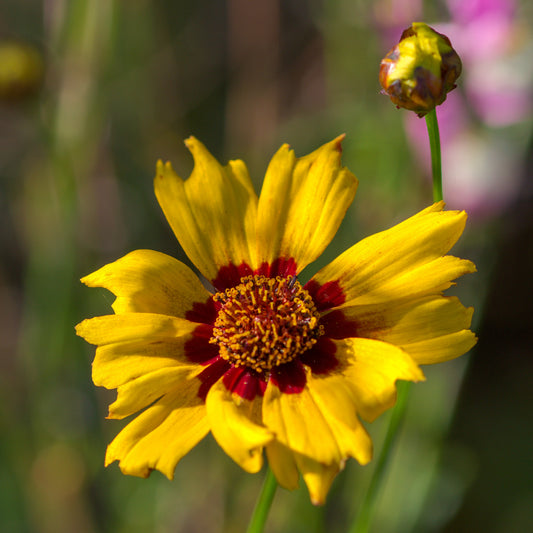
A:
366, 512
259, 516
434, 144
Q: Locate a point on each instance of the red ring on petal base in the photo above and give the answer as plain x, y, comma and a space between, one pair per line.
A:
283, 266
244, 382
204, 313
325, 296
264, 302
289, 378
337, 326
321, 357
198, 349
230, 275
211, 375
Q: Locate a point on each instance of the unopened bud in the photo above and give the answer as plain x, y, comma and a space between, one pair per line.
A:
420, 70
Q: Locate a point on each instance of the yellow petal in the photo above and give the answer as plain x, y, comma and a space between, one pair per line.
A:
441, 348
372, 367
283, 465
144, 390
431, 329
433, 277
317, 476
404, 261
302, 204
116, 364
213, 213
234, 424
335, 397
145, 281
316, 431
318, 441
299, 424
162, 434
111, 329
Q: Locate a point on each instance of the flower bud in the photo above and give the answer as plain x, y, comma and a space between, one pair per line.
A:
420, 70
21, 71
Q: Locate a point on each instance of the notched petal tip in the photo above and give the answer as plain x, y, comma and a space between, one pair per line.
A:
86, 280
159, 168
190, 140
417, 376
337, 142
82, 327
470, 267
94, 279
198, 150
334, 145
164, 170
141, 471
412, 372
475, 338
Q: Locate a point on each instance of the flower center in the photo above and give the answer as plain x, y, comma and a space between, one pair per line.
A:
265, 322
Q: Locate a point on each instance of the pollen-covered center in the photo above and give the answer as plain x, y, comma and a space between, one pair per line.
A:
265, 322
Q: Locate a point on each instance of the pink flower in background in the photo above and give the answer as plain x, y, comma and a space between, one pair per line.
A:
487, 23
494, 49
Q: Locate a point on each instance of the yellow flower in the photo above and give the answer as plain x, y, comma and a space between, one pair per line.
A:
420, 70
267, 363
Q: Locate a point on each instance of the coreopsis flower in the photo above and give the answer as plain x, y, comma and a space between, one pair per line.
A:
265, 362
420, 70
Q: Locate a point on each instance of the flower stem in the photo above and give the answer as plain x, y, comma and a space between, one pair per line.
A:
259, 516
434, 144
366, 512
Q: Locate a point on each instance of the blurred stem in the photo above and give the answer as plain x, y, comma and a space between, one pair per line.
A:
262, 507
434, 144
366, 512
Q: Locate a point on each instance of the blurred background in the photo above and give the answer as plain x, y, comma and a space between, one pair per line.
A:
93, 92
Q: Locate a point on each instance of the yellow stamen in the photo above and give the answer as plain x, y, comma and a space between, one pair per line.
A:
265, 322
